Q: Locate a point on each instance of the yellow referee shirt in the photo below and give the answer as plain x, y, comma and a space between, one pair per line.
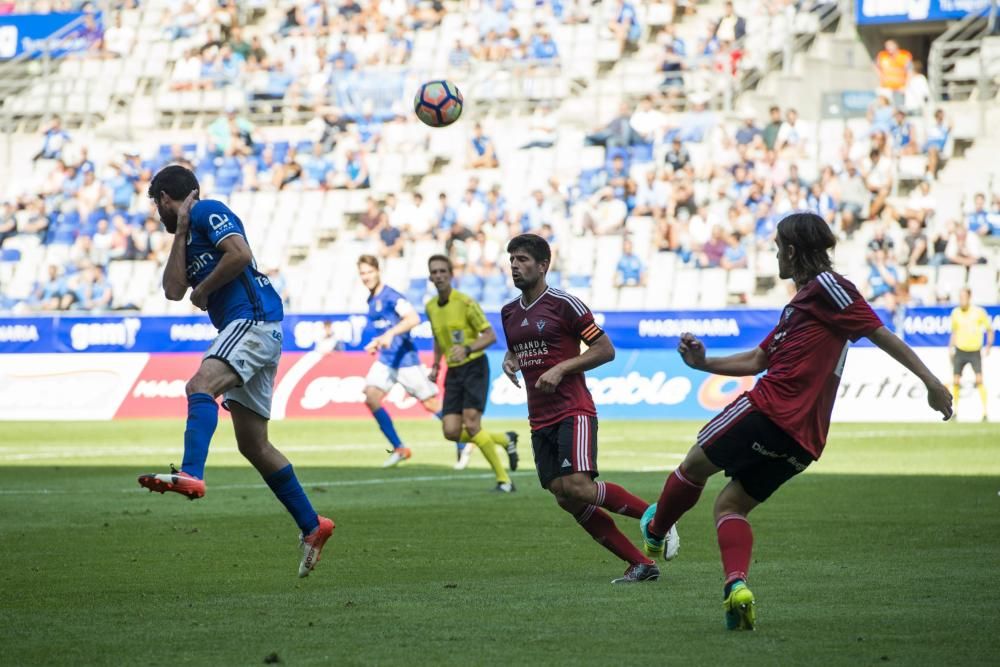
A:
969, 327
458, 322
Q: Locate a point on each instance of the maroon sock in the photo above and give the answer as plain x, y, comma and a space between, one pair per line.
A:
679, 495
602, 528
616, 499
735, 544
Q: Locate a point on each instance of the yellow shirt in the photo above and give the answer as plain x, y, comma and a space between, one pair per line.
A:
969, 327
458, 322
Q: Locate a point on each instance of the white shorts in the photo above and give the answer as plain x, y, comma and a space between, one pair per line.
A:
252, 349
412, 378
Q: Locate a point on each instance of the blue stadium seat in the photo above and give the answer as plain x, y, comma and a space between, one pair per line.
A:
9, 254
304, 147
640, 153
63, 237
554, 278
95, 217
579, 280
472, 285
587, 181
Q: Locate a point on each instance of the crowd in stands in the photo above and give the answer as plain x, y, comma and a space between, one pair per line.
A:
707, 188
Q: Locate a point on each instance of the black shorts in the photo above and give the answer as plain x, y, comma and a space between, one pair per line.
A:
963, 358
752, 449
565, 447
466, 387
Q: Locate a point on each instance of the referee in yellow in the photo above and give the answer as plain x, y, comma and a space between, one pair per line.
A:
461, 334
968, 324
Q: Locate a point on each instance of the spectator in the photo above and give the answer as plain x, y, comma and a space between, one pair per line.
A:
92, 34
34, 220
460, 56
390, 239
421, 221
895, 66
317, 169
541, 128
455, 242
148, 242
917, 94
791, 142
342, 58
920, 204
879, 241
118, 39
652, 196
735, 255
543, 47
446, 214
937, 138
618, 133
883, 276
730, 27
370, 219
964, 248
677, 156
980, 220
617, 178
481, 151
8, 222
602, 214
356, 171
771, 130
230, 131
48, 293
673, 57
904, 139
54, 140
854, 198
647, 121
915, 241
625, 26
745, 133
878, 180
630, 271
713, 249
471, 211
698, 122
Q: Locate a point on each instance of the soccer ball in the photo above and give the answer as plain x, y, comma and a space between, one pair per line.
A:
438, 103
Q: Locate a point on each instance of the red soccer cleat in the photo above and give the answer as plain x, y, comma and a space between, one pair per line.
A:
312, 545
176, 481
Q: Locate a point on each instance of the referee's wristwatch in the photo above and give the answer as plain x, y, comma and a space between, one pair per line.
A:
468, 350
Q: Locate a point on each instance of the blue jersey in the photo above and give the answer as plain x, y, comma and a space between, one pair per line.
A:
250, 295
385, 310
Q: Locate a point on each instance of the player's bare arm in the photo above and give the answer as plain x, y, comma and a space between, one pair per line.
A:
460, 353
598, 354
938, 396
511, 368
410, 320
743, 364
436, 367
236, 257
175, 282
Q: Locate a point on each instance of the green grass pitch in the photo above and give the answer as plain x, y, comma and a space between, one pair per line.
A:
886, 551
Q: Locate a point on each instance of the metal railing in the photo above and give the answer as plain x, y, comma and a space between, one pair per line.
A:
959, 65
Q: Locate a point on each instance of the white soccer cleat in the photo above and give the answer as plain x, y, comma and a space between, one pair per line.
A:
397, 455
463, 459
671, 544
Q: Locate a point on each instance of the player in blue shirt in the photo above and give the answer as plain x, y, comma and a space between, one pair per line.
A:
210, 254
391, 318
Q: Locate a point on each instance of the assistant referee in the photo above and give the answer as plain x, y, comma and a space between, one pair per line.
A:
968, 324
461, 334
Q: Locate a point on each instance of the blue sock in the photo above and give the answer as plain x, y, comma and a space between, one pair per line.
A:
203, 417
439, 414
388, 430
286, 487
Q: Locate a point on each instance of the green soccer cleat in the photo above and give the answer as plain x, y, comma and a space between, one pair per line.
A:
667, 547
652, 546
741, 609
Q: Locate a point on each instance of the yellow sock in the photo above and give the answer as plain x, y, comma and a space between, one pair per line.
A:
954, 394
465, 437
484, 441
982, 396
499, 439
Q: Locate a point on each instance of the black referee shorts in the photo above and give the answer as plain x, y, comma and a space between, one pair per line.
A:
963, 359
466, 387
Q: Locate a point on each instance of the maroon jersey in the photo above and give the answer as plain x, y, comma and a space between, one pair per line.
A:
542, 335
806, 354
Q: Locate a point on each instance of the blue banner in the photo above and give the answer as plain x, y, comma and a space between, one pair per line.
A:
643, 330
31, 34
871, 12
